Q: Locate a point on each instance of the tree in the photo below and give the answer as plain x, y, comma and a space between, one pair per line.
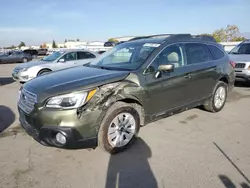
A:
54, 44
21, 44
77, 40
41, 46
65, 41
113, 40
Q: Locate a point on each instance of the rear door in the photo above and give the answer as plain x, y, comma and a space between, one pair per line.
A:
203, 70
84, 58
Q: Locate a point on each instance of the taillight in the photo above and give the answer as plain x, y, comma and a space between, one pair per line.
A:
233, 64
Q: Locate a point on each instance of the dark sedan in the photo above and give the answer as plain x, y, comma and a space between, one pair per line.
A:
15, 57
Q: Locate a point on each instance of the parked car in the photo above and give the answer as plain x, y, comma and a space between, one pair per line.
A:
32, 52
42, 51
241, 55
109, 44
15, 57
56, 61
104, 103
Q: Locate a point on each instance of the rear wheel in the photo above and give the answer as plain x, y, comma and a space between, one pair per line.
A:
119, 128
218, 99
24, 60
43, 72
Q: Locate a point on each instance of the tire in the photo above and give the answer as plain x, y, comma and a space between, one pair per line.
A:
108, 127
43, 72
24, 60
210, 105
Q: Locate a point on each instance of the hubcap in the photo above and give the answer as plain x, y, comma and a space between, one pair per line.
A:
220, 97
121, 130
24, 60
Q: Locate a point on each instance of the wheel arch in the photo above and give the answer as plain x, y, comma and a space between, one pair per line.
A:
43, 69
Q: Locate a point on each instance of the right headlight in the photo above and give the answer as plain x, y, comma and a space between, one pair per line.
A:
23, 69
71, 100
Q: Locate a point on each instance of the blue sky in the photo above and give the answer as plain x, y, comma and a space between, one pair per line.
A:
38, 21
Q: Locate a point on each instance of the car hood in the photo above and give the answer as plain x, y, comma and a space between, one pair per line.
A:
239, 57
32, 63
72, 79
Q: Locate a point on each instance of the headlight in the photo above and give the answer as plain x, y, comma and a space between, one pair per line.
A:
70, 101
24, 69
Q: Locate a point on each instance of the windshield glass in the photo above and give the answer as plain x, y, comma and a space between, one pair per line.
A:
241, 49
126, 56
53, 56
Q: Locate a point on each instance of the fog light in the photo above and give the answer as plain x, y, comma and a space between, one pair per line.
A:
60, 138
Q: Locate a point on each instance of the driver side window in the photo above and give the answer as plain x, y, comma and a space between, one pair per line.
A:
71, 56
170, 55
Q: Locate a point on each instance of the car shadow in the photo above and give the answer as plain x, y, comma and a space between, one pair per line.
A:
227, 182
6, 81
241, 84
131, 168
7, 117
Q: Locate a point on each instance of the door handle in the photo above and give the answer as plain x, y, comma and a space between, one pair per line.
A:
188, 76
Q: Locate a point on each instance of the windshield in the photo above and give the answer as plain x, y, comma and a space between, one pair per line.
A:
241, 49
126, 56
53, 56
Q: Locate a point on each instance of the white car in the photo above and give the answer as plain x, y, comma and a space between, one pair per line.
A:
56, 61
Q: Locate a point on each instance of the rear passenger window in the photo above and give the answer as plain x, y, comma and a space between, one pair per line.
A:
217, 53
85, 55
197, 53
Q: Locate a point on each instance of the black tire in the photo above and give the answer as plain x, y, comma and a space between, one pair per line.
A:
24, 60
116, 109
210, 104
43, 72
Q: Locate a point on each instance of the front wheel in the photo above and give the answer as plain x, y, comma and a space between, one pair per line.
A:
218, 99
119, 128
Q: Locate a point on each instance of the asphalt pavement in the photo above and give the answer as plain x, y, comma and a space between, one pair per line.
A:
192, 149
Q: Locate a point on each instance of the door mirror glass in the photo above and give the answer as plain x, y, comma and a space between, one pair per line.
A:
62, 60
166, 68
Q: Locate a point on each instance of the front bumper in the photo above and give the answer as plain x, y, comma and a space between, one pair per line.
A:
21, 77
44, 131
242, 75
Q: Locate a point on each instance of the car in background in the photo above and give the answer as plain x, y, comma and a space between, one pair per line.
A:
56, 61
42, 51
109, 44
32, 52
15, 57
241, 56
104, 103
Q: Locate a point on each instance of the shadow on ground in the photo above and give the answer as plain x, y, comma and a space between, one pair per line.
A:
229, 184
131, 168
241, 84
6, 81
7, 117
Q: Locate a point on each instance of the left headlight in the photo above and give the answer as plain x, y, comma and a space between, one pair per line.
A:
70, 101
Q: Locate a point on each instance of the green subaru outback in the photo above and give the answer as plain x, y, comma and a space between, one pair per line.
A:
105, 102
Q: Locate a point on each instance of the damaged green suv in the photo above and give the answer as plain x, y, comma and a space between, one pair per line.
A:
105, 102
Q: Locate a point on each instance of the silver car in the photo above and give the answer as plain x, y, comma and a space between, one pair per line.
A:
56, 61
241, 56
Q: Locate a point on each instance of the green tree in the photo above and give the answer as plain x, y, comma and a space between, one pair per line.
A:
77, 40
113, 40
21, 44
54, 44
65, 41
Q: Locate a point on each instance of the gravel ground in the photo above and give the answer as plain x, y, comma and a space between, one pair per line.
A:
191, 149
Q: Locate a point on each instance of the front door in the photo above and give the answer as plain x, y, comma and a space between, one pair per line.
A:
84, 58
67, 61
168, 90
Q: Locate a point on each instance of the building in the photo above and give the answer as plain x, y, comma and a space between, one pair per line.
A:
125, 38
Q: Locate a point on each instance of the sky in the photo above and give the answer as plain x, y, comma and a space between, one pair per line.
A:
39, 21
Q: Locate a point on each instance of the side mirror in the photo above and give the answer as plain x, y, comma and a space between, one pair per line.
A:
166, 68
62, 60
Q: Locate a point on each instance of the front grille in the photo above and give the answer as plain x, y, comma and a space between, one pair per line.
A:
27, 100
240, 65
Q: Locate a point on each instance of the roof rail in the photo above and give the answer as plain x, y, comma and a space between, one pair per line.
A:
177, 37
